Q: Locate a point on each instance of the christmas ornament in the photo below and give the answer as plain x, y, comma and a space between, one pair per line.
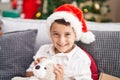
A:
30, 8
14, 4
85, 10
38, 14
96, 6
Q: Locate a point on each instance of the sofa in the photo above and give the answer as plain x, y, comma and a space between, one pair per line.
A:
22, 38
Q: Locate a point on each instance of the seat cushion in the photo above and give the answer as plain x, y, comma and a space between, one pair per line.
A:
16, 52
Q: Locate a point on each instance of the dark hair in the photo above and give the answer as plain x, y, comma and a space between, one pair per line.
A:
62, 21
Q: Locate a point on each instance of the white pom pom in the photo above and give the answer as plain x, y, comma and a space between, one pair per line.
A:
87, 37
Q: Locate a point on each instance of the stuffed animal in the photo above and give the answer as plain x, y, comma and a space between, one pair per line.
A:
41, 71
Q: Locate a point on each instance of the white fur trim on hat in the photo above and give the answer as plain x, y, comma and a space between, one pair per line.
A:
68, 17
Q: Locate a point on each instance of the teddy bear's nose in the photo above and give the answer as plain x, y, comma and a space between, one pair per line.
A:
37, 67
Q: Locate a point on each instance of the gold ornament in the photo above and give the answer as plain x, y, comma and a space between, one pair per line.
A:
85, 10
38, 14
96, 6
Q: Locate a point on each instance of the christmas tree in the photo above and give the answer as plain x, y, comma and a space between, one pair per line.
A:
93, 10
48, 7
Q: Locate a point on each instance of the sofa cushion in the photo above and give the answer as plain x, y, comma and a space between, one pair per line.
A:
11, 24
16, 52
105, 50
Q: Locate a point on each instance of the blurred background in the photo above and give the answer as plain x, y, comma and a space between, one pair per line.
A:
93, 10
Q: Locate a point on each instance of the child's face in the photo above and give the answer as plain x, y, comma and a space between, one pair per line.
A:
63, 37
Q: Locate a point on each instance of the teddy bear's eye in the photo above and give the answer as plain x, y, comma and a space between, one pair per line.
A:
45, 68
37, 67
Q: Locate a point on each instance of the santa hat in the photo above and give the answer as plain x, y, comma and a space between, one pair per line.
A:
74, 16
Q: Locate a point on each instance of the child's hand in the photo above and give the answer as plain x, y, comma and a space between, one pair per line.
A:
38, 60
59, 72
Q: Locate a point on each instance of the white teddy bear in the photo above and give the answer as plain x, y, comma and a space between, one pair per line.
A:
41, 71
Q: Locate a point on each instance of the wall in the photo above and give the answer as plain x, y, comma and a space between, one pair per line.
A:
4, 6
115, 10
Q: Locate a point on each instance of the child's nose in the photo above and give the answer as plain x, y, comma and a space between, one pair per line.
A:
62, 39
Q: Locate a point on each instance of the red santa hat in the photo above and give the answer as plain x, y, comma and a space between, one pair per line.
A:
74, 16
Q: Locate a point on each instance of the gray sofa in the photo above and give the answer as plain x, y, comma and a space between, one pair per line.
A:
22, 38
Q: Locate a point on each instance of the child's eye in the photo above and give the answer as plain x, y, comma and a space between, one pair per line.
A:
67, 34
55, 33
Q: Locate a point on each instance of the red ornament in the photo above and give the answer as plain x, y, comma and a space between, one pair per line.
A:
30, 7
14, 4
